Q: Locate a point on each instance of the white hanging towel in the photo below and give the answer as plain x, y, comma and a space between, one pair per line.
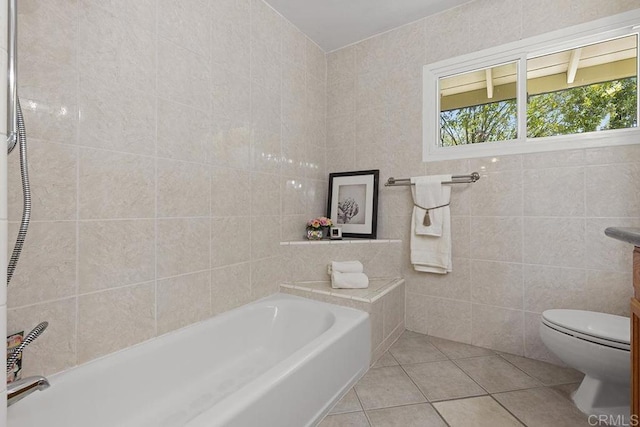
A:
431, 227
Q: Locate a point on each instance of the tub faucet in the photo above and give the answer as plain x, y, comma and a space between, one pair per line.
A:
20, 389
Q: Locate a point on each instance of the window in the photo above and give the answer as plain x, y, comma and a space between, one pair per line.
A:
547, 93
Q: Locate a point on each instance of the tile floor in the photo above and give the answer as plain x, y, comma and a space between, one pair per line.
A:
431, 382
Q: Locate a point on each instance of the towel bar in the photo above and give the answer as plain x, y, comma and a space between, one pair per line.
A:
455, 179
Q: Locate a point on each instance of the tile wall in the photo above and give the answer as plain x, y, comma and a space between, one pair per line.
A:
3, 195
529, 235
173, 145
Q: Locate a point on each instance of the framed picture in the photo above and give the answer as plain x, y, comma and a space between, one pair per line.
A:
353, 202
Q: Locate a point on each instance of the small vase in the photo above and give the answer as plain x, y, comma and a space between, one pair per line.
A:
325, 232
315, 233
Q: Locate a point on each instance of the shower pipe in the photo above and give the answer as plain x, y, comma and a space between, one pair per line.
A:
16, 134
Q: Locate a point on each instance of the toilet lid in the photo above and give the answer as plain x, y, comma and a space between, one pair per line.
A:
599, 325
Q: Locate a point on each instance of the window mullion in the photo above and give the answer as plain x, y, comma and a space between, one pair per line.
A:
521, 98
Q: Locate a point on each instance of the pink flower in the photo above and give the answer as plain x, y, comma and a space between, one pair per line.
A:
322, 221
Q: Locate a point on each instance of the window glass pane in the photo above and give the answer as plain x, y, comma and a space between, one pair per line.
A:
586, 89
479, 106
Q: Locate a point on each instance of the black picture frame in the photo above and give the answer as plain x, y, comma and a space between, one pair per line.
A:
353, 202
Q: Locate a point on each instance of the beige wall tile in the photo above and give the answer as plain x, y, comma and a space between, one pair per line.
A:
81, 63
266, 25
110, 36
456, 285
231, 143
533, 346
53, 179
443, 318
55, 350
294, 44
341, 64
496, 238
182, 246
393, 310
266, 67
316, 61
47, 31
438, 29
115, 253
497, 283
115, 319
231, 240
183, 300
553, 159
196, 35
230, 287
601, 201
230, 192
265, 237
230, 92
555, 241
294, 81
604, 253
498, 194
184, 133
112, 119
567, 197
265, 195
266, 106
494, 22
183, 76
266, 276
115, 185
46, 269
183, 189
231, 35
498, 328
53, 79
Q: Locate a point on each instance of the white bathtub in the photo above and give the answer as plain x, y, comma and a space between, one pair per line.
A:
281, 361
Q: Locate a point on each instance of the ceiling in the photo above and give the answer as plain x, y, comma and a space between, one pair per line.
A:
337, 23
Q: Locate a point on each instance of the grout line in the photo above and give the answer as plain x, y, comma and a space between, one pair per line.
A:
360, 402
76, 360
507, 409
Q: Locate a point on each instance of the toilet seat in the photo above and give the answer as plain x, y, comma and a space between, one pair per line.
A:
598, 328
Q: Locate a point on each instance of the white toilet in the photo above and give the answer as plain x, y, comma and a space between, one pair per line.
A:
596, 344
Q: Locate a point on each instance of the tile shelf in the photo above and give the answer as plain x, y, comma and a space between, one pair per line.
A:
338, 242
378, 288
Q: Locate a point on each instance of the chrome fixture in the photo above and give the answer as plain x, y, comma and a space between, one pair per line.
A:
20, 389
31, 337
455, 179
17, 134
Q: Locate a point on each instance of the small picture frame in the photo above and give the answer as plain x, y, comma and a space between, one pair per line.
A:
335, 233
353, 202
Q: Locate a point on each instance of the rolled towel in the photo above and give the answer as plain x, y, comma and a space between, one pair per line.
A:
346, 267
349, 280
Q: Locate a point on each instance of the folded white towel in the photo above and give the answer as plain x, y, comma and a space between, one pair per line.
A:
346, 267
428, 192
432, 253
349, 280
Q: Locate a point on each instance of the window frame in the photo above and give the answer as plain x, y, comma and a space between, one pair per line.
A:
520, 51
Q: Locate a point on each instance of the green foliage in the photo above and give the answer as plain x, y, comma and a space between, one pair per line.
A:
601, 106
480, 123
